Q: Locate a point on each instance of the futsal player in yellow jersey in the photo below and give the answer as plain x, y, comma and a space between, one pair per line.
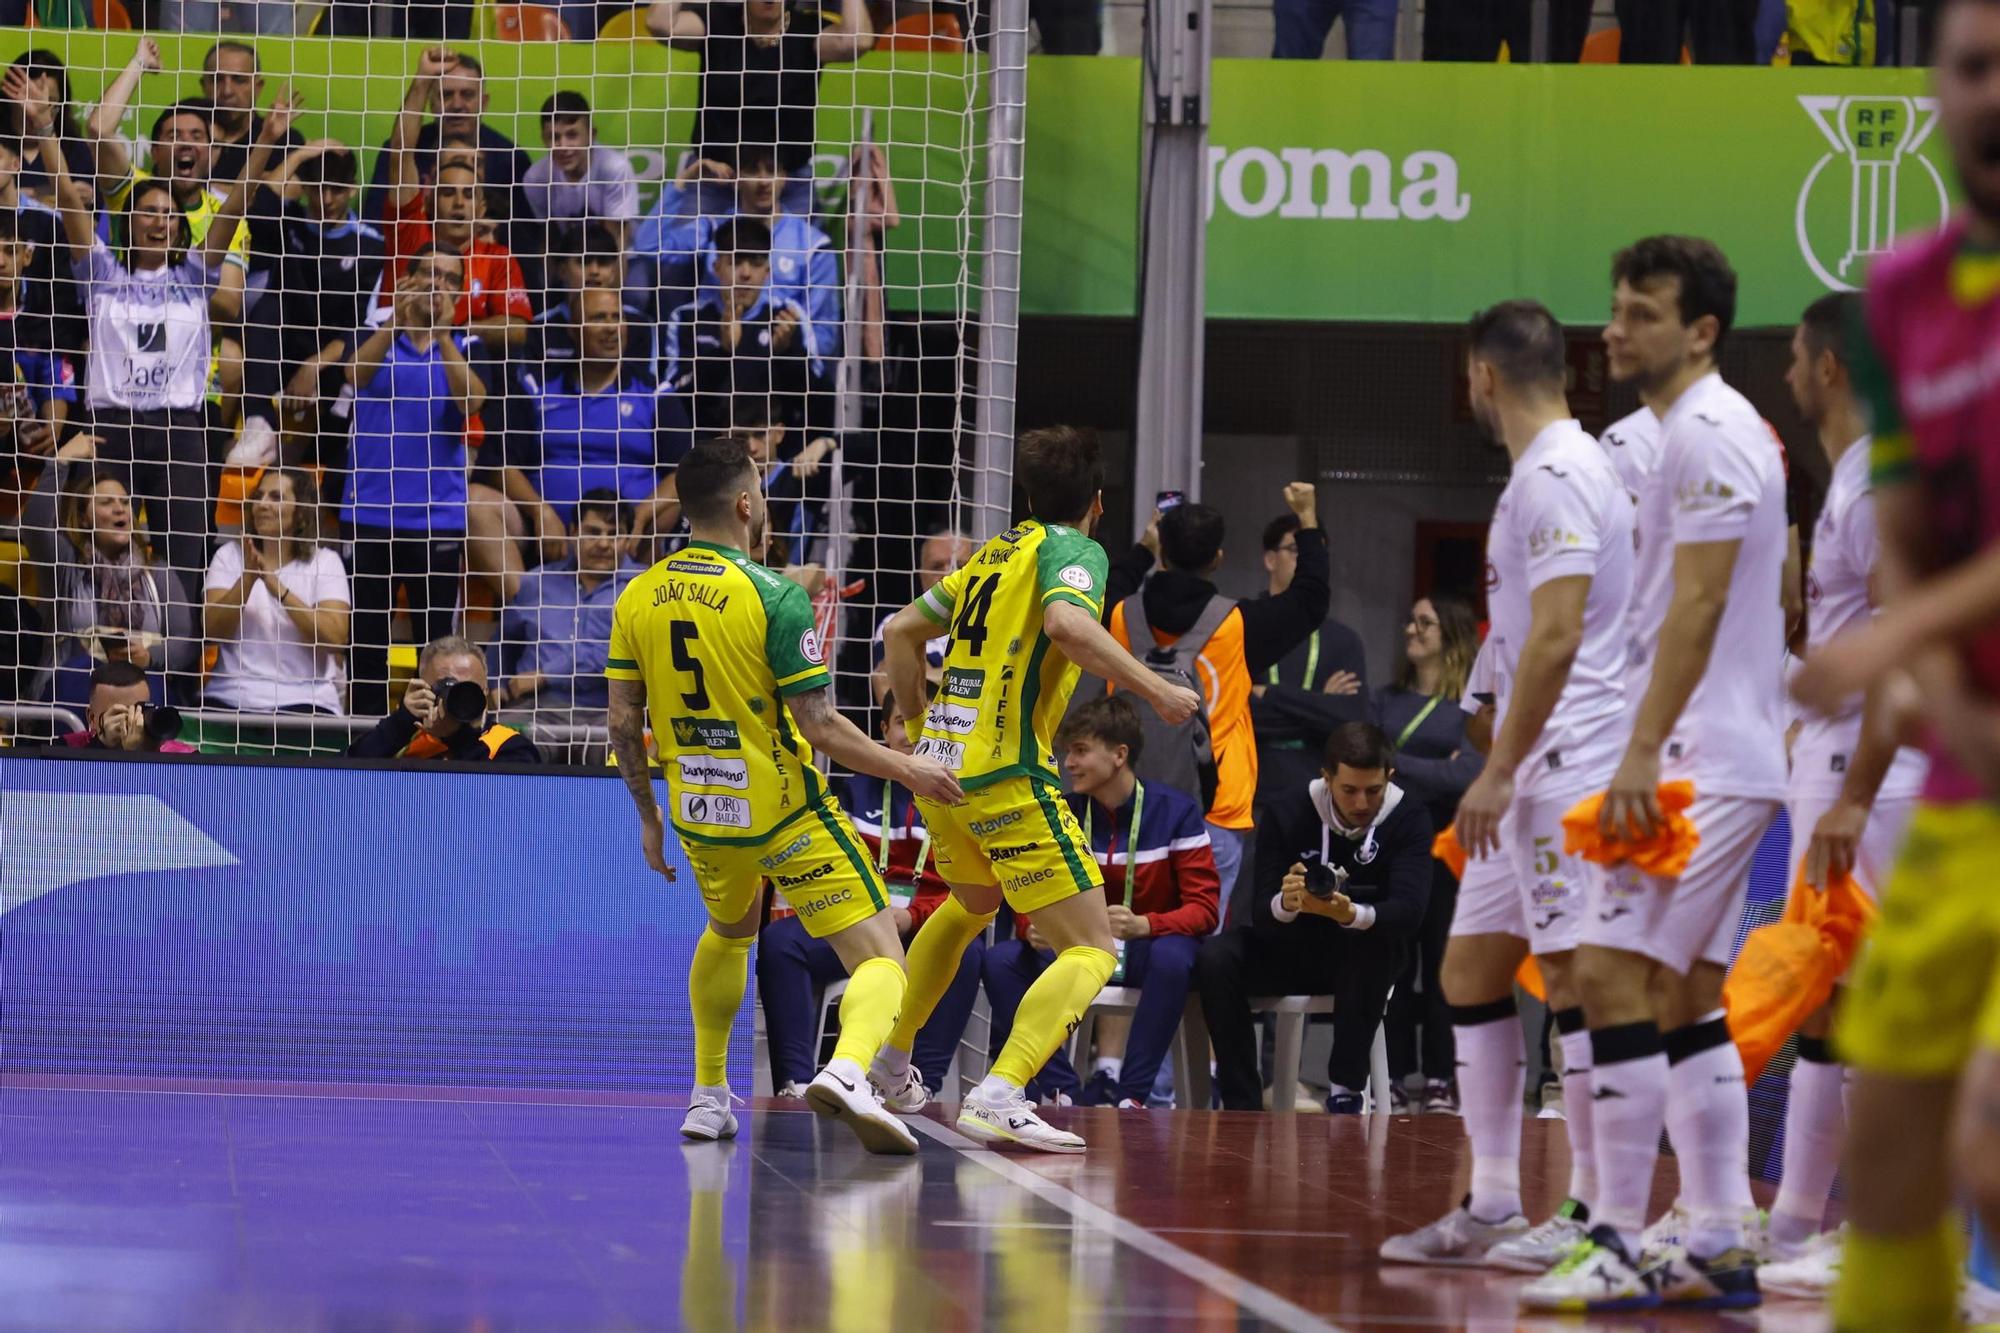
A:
722, 652
1023, 617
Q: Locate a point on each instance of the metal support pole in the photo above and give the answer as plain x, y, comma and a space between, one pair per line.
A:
1173, 222
1538, 33
992, 489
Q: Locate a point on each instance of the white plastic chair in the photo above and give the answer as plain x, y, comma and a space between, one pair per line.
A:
1291, 1012
1187, 1054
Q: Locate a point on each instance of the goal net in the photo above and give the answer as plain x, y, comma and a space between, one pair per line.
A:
496, 268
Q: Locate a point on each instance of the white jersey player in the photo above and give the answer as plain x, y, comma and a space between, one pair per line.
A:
1852, 791
1559, 573
1704, 706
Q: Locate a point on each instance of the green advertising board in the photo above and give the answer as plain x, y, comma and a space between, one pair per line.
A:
1420, 192
922, 109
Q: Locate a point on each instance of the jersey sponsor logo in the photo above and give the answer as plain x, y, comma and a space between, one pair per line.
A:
1544, 540
1009, 853
786, 853
1076, 576
716, 811
1013, 534
957, 720
697, 733
701, 594
1695, 496
1889, 186
700, 771
150, 337
814, 906
948, 754
1029, 878
963, 684
809, 648
817, 872
980, 828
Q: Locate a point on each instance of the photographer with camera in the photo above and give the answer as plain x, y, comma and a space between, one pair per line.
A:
122, 715
1342, 879
443, 714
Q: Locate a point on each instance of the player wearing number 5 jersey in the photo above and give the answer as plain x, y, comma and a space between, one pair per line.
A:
1023, 619
722, 653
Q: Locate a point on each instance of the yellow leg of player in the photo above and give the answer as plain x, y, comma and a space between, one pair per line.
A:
716, 980
868, 1009
1900, 1284
934, 958
1050, 1010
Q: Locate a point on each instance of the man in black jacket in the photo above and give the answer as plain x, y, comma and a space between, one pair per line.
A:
441, 716
1342, 879
1330, 662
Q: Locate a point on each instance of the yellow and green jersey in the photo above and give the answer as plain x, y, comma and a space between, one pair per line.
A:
720, 642
1005, 687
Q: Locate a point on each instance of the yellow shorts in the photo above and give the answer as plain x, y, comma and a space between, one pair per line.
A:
1017, 834
816, 861
1926, 989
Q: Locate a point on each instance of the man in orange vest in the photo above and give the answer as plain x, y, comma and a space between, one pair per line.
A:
443, 714
1251, 639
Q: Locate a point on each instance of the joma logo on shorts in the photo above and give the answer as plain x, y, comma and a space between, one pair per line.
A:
786, 853
981, 827
831, 900
817, 872
1009, 853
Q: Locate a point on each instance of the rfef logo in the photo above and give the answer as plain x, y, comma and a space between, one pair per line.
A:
1872, 185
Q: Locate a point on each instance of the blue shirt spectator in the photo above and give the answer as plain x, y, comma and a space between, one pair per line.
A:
408, 458
556, 633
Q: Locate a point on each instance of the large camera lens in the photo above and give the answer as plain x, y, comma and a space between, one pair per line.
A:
163, 724
1322, 882
463, 700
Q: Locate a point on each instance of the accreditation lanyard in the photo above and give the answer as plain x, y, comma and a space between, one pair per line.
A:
1131, 858
1312, 664
1430, 704
909, 831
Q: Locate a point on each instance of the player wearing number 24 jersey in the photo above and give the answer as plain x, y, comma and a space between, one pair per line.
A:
722, 653
1023, 622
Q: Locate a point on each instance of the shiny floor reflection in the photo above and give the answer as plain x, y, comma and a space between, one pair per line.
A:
231, 1207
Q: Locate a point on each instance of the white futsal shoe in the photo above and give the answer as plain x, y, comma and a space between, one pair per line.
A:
1596, 1277
842, 1092
708, 1115
1000, 1114
903, 1093
1456, 1240
1542, 1247
1808, 1273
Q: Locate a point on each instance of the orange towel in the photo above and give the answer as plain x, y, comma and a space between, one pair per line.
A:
1788, 968
1447, 848
1665, 854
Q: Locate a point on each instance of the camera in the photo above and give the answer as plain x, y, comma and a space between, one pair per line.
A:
463, 700
162, 722
1323, 881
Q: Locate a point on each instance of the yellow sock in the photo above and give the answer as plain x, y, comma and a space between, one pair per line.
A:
1900, 1284
934, 958
1050, 1009
868, 1009
716, 979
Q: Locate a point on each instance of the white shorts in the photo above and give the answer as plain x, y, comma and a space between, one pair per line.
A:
1880, 841
1677, 921
1532, 890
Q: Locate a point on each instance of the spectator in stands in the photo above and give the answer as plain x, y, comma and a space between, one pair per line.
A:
1252, 638
37, 383
1717, 32
942, 552
760, 68
792, 966
1303, 25
44, 110
265, 18
113, 603
150, 339
1475, 32
453, 86
580, 178
233, 85
123, 715
581, 258
48, 289
597, 423
277, 606
805, 268
449, 210
1833, 32
1342, 879
405, 503
443, 714
556, 633
1159, 877
741, 338
1331, 661
796, 470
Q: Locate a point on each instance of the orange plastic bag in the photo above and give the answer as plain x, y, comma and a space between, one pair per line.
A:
1788, 968
1664, 854
1447, 848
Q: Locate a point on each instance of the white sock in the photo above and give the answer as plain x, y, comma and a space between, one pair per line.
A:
994, 1086
1491, 1074
1708, 1117
1112, 1065
1576, 1086
1815, 1123
1628, 1105
890, 1061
